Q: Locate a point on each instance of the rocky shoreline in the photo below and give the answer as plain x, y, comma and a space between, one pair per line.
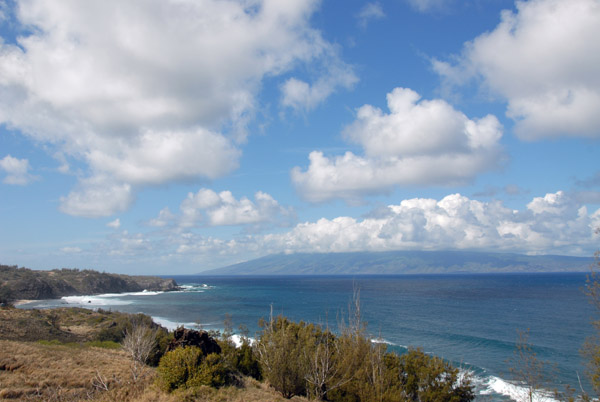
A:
26, 284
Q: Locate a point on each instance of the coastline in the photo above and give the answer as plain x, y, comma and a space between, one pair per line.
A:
22, 301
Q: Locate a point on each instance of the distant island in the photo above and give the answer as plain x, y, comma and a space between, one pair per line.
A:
23, 283
403, 263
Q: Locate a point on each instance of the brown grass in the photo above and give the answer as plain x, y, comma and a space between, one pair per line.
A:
62, 324
33, 371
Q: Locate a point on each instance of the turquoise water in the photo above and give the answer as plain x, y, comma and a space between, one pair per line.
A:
471, 320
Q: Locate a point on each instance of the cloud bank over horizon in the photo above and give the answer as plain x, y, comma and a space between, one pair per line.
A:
556, 223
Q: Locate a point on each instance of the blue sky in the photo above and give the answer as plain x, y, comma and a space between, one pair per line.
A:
176, 136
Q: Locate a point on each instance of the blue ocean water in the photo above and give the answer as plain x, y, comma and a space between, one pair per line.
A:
470, 320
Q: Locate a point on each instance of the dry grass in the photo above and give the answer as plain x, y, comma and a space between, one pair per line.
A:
33, 371
62, 324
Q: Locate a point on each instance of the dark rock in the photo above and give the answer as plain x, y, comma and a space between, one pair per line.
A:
189, 337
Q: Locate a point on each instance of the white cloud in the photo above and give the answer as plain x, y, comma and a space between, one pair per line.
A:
221, 209
97, 197
149, 92
543, 60
370, 11
417, 143
71, 250
165, 217
114, 224
17, 171
427, 5
303, 97
554, 224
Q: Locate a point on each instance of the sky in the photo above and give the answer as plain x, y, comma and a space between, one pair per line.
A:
176, 136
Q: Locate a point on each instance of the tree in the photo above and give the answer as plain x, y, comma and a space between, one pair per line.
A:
280, 352
139, 343
591, 348
430, 378
527, 369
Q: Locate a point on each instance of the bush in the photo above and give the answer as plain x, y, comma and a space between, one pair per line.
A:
188, 368
178, 367
212, 372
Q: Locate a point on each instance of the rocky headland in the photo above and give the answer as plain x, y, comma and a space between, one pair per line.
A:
23, 283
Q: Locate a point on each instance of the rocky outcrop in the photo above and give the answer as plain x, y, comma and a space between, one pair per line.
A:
23, 283
188, 337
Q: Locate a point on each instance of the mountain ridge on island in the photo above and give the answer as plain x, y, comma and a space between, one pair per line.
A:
403, 263
24, 283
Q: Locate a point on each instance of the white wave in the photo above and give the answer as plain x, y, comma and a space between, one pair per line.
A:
381, 340
195, 287
142, 293
515, 392
172, 325
95, 301
107, 299
237, 340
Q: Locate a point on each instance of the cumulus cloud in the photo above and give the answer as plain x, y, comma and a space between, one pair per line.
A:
165, 217
543, 60
222, 209
420, 142
369, 12
556, 223
114, 224
96, 197
146, 93
303, 97
17, 171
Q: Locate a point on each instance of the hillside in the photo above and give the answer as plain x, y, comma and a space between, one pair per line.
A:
23, 283
403, 262
72, 354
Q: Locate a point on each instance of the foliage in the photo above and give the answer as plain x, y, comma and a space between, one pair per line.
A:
304, 359
188, 368
212, 372
527, 368
178, 367
429, 378
591, 348
280, 352
241, 359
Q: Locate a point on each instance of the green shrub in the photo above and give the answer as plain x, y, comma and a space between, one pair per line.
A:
241, 359
212, 372
187, 368
178, 367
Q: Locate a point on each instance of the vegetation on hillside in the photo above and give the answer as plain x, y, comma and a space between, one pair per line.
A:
116, 354
22, 283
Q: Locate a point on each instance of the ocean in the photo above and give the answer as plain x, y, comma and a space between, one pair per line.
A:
470, 320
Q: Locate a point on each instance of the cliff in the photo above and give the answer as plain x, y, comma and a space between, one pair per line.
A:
23, 283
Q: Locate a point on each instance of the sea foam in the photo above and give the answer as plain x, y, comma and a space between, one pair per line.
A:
496, 385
